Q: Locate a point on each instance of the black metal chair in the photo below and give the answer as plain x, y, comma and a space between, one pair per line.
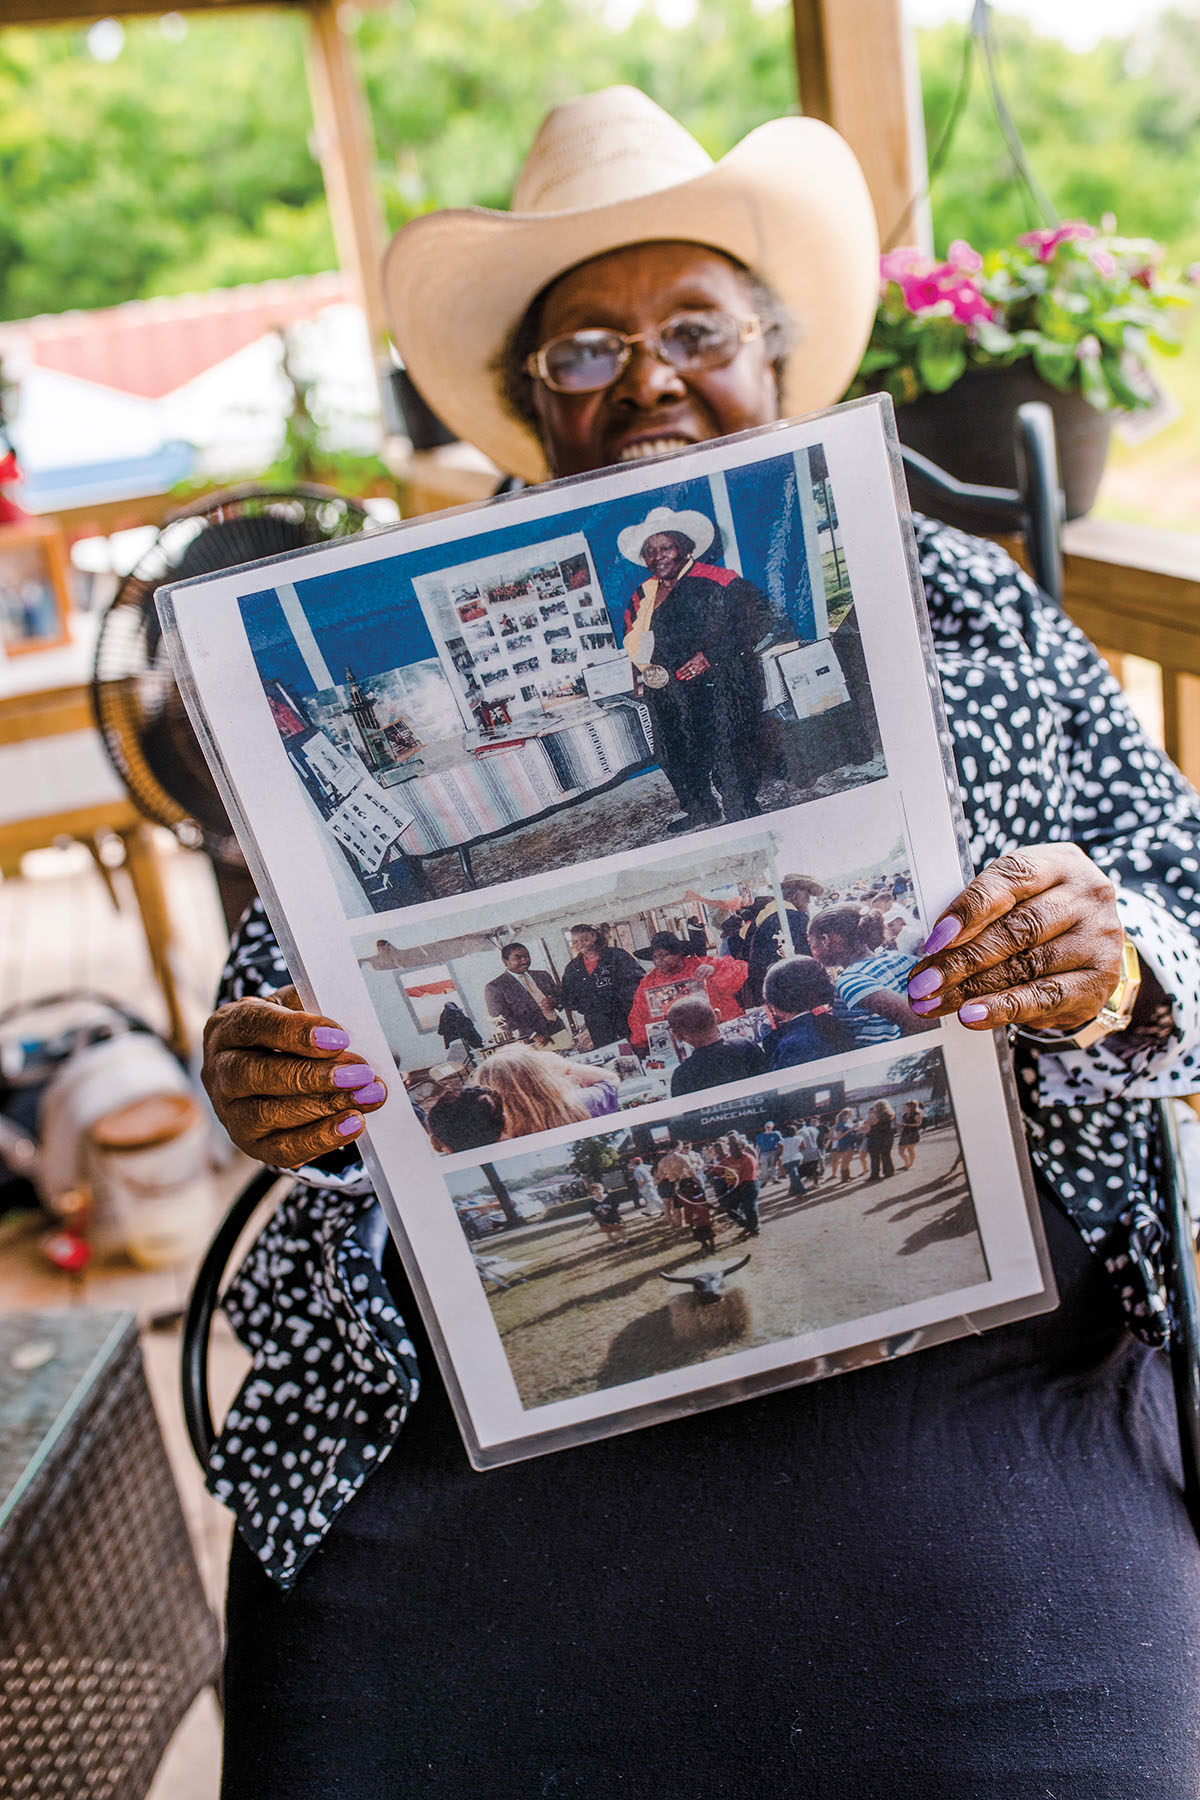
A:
1034, 509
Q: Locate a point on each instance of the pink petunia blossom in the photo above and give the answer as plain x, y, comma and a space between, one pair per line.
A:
925, 284
968, 303
898, 265
921, 292
1046, 242
1104, 262
961, 256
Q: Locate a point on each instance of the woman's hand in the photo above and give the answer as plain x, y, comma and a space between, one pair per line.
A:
284, 1083
1034, 940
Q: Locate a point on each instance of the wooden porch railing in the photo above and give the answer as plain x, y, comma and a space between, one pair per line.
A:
1135, 590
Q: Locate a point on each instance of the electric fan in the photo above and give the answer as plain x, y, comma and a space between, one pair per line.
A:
138, 708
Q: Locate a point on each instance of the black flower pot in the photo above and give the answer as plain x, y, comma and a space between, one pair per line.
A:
968, 431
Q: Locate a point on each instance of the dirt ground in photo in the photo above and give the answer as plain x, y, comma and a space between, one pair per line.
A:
628, 817
580, 1313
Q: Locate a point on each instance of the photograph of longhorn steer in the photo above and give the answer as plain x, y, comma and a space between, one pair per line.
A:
711, 1285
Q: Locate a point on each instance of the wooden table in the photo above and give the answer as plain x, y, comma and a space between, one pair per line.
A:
56, 781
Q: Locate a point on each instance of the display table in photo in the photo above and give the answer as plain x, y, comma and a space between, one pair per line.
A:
489, 785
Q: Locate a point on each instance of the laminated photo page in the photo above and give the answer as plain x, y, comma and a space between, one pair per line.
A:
608, 818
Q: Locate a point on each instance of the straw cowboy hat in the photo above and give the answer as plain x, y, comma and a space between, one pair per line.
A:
612, 169
698, 530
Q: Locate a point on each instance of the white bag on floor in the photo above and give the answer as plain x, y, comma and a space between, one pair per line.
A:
149, 1178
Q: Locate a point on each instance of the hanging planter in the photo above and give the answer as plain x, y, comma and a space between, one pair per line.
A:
968, 430
1064, 315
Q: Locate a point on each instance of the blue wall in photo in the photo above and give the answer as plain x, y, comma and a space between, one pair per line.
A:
770, 532
766, 519
365, 618
368, 618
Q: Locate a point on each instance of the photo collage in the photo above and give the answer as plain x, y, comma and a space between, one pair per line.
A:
521, 633
610, 820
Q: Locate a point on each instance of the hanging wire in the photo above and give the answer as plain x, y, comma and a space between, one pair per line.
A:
942, 148
981, 33
978, 40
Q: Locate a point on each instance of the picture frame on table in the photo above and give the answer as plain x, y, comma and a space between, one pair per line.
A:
35, 588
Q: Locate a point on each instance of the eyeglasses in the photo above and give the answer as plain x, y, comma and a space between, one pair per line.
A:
583, 362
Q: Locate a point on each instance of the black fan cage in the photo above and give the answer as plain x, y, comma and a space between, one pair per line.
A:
138, 708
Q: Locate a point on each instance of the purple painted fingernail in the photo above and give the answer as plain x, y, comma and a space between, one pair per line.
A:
943, 933
371, 1096
353, 1075
972, 1012
328, 1037
926, 983
923, 1006
349, 1125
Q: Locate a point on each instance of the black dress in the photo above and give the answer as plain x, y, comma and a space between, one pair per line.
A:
708, 727
966, 1574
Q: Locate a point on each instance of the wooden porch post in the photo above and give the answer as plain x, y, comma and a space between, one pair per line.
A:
346, 148
856, 70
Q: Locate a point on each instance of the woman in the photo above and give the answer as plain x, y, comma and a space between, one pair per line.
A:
599, 982
540, 1091
691, 630
911, 1121
695, 1211
845, 1143
966, 1572
881, 1135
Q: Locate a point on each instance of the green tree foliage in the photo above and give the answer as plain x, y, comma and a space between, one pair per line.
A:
177, 167
593, 1157
186, 164
458, 87
1112, 130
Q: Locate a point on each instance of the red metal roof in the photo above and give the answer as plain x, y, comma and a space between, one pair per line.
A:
151, 347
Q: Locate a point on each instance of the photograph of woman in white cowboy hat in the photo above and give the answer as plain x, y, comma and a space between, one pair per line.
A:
686, 713
694, 632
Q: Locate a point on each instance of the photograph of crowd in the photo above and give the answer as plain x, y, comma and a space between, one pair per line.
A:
662, 1245
644, 984
531, 695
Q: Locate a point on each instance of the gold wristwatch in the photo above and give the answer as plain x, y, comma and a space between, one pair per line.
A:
1114, 1015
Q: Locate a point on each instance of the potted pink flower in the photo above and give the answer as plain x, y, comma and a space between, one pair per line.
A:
1069, 315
